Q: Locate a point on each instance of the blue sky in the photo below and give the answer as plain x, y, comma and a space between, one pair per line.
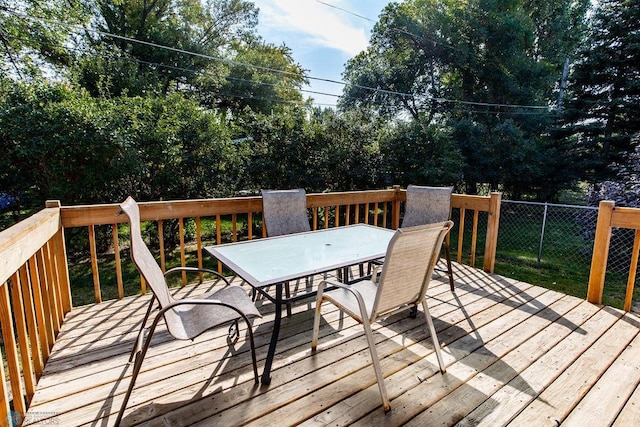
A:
322, 38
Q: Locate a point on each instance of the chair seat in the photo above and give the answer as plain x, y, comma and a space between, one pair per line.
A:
195, 319
345, 299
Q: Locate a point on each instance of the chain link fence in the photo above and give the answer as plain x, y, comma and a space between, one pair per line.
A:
551, 245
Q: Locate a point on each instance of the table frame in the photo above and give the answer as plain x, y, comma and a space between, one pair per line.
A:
368, 252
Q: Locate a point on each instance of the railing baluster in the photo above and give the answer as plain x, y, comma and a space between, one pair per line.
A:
249, 226
5, 410
116, 253
474, 237
234, 228
219, 237
30, 314
326, 217
632, 271
460, 235
199, 248
10, 347
94, 264
36, 288
163, 263
51, 288
183, 261
357, 220
315, 218
64, 286
21, 330
143, 285
375, 214
384, 214
44, 295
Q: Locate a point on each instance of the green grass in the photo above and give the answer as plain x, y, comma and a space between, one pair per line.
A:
566, 255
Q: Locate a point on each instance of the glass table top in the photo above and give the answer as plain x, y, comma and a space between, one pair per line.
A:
263, 262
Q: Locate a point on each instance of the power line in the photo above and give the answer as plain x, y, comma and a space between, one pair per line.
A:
421, 37
269, 69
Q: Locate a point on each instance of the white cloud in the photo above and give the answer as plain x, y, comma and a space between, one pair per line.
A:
316, 24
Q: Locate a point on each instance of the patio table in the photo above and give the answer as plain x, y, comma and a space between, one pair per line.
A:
274, 261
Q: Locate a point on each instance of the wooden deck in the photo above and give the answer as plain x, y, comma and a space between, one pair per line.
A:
515, 353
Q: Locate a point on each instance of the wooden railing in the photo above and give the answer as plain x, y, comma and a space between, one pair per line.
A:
377, 207
34, 298
609, 217
35, 292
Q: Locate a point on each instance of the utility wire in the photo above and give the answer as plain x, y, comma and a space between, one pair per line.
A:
282, 72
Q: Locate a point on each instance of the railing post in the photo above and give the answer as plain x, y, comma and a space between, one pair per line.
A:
395, 208
62, 265
600, 252
493, 223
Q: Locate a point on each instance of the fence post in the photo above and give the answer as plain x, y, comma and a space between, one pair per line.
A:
600, 252
544, 224
493, 223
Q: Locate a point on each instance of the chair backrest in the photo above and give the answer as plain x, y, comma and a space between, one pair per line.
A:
426, 205
285, 211
411, 255
142, 256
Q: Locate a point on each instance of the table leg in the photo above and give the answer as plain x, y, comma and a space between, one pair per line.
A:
266, 374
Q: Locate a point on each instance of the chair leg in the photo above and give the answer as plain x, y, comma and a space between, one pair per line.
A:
137, 345
376, 365
447, 256
316, 325
434, 337
254, 360
137, 365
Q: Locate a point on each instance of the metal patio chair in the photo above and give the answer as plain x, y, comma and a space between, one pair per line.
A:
428, 205
402, 284
285, 212
185, 318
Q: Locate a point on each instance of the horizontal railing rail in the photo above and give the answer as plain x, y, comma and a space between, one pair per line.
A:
610, 217
34, 298
35, 290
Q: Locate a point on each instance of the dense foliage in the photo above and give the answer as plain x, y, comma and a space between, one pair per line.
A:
602, 120
182, 98
476, 69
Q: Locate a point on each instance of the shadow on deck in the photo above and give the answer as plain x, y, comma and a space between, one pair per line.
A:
515, 353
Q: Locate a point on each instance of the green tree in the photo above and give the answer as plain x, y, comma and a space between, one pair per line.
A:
33, 34
602, 116
415, 153
276, 152
347, 155
208, 49
61, 143
271, 82
449, 63
131, 36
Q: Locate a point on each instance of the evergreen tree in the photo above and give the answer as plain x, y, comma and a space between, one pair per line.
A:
603, 114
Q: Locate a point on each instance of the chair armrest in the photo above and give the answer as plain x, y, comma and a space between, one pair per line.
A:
353, 291
196, 270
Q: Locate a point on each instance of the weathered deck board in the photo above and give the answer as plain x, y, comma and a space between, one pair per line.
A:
515, 353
